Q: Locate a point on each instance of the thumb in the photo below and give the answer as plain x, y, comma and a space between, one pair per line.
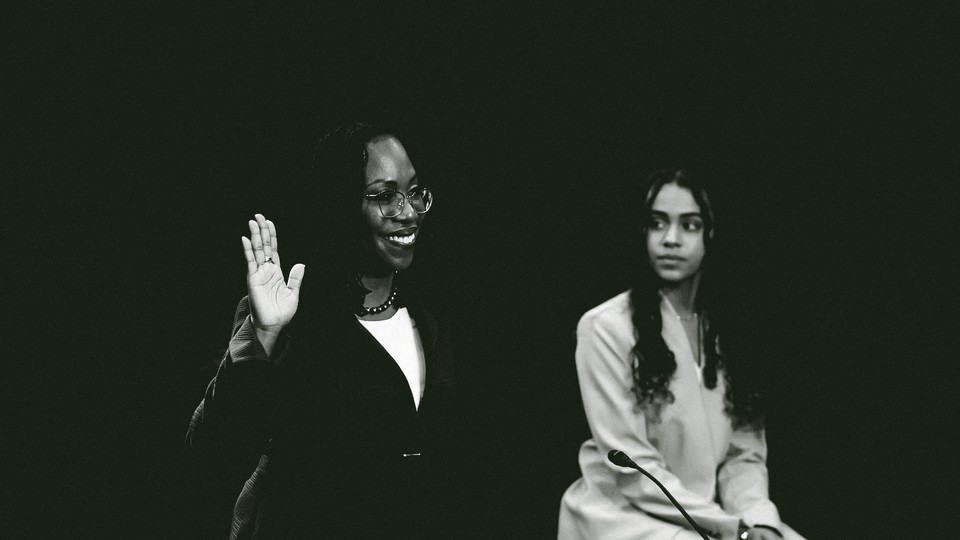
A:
296, 277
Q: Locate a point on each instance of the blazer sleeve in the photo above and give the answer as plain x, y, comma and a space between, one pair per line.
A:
604, 370
237, 412
742, 480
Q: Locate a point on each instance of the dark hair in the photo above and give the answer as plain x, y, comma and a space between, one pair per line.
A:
654, 363
322, 214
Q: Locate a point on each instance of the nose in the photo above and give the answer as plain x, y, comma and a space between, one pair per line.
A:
671, 237
407, 213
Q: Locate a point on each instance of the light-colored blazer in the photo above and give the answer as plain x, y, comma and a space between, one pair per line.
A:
719, 475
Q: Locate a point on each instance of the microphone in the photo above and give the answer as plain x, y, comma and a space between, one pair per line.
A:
620, 459
617, 457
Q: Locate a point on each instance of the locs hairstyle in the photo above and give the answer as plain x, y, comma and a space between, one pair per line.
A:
322, 213
654, 363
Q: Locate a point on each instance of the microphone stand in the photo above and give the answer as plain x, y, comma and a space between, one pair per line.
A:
619, 458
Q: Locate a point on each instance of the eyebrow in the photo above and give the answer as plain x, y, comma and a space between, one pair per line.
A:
684, 215
392, 183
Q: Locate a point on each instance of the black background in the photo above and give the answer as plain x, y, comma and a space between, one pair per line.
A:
144, 137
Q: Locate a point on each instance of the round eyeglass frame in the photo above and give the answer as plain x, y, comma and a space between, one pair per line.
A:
397, 208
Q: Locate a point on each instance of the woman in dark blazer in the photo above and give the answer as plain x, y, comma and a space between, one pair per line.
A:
337, 389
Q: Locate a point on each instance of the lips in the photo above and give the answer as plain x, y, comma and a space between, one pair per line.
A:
670, 258
402, 238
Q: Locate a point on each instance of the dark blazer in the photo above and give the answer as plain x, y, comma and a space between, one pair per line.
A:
329, 429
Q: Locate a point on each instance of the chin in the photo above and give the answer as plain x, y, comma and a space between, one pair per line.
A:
385, 259
396, 264
672, 276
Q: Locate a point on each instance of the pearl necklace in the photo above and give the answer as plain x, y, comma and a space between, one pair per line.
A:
364, 310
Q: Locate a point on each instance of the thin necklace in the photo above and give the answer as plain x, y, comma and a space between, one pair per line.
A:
699, 342
699, 347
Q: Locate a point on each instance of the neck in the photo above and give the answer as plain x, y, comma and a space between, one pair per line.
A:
379, 287
683, 295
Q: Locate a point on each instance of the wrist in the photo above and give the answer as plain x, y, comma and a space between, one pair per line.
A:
266, 329
743, 530
266, 336
769, 528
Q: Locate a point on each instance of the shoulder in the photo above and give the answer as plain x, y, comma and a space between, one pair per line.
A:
613, 311
612, 316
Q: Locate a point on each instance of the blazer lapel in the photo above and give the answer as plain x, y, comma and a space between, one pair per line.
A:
439, 373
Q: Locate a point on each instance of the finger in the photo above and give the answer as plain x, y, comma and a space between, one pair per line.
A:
248, 255
256, 242
296, 278
273, 235
273, 242
265, 237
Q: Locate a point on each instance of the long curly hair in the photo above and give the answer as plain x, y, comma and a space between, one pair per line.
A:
654, 363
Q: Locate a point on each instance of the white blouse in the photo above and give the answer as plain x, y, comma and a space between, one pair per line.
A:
717, 473
399, 336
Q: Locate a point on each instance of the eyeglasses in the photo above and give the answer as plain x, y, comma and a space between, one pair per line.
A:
391, 202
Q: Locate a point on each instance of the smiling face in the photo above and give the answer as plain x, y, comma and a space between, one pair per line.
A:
675, 242
390, 241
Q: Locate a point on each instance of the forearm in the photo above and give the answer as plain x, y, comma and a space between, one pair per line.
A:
742, 480
644, 494
240, 402
236, 412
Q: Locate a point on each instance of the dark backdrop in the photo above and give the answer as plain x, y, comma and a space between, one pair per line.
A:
150, 134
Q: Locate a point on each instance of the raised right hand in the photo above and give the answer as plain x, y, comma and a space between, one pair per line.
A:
273, 302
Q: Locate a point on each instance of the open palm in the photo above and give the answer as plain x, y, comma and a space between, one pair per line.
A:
273, 301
